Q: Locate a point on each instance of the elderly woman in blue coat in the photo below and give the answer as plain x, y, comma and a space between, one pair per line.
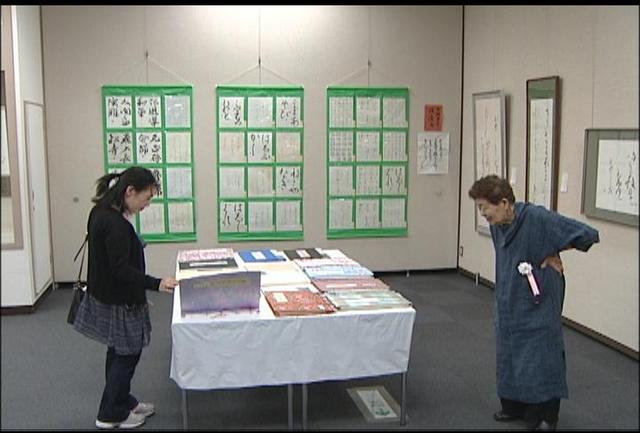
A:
529, 294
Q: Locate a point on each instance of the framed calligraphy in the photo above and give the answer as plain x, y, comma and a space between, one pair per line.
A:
543, 114
610, 177
490, 141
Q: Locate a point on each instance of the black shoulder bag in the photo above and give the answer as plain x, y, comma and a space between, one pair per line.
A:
78, 288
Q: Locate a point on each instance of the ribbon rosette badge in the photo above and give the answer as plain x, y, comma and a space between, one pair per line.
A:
526, 269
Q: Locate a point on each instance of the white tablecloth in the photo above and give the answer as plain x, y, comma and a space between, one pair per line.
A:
247, 350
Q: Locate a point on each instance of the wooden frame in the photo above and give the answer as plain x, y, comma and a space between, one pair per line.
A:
543, 114
489, 141
610, 175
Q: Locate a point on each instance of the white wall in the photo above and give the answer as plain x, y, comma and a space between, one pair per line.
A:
594, 50
419, 47
17, 265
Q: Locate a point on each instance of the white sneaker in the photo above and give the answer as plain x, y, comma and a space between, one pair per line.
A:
144, 409
133, 420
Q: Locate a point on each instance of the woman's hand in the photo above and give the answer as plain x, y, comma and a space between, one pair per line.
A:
167, 284
554, 261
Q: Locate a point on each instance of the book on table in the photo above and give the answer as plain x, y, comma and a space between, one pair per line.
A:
220, 292
215, 258
367, 299
297, 303
264, 255
333, 285
304, 254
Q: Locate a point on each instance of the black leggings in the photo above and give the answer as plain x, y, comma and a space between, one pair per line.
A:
533, 413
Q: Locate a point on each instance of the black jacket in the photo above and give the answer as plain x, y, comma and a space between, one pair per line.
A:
116, 260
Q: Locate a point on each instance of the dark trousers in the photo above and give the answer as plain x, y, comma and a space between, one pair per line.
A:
533, 413
116, 400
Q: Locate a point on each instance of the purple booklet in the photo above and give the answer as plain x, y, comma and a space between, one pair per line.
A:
227, 291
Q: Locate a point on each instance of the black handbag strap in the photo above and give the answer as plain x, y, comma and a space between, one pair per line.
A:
83, 249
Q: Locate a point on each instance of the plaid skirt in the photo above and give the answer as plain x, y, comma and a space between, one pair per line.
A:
125, 328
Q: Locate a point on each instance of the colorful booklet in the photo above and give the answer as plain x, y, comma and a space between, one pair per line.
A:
298, 303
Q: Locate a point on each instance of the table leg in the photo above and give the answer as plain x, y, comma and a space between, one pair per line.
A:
403, 394
290, 405
185, 411
304, 406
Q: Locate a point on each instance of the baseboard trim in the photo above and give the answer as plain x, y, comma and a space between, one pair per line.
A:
27, 309
595, 335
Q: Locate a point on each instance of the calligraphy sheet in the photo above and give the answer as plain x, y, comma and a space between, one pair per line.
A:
148, 112
394, 113
367, 112
288, 215
179, 182
232, 217
178, 111
393, 213
152, 219
367, 214
341, 214
260, 181
180, 217
433, 152
231, 112
288, 112
394, 146
541, 152
231, 182
259, 147
368, 180
149, 147
260, 216
260, 113
119, 148
231, 147
288, 180
288, 147
178, 147
341, 146
393, 180
341, 180
119, 112
367, 146
341, 112
617, 181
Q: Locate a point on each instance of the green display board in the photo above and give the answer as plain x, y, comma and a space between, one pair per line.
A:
367, 162
260, 137
151, 126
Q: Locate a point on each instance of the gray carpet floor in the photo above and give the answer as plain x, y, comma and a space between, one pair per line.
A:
52, 377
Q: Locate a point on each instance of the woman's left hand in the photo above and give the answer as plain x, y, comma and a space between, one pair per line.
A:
555, 262
167, 284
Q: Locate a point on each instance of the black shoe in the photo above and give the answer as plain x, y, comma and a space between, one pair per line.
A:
501, 416
543, 425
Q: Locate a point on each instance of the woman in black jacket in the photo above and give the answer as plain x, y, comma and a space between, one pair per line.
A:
115, 311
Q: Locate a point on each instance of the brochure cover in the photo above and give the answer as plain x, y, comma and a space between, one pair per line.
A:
307, 253
228, 291
265, 255
298, 303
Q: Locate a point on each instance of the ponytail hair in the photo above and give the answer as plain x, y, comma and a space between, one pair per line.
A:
111, 187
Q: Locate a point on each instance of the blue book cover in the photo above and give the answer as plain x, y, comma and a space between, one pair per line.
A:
257, 256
